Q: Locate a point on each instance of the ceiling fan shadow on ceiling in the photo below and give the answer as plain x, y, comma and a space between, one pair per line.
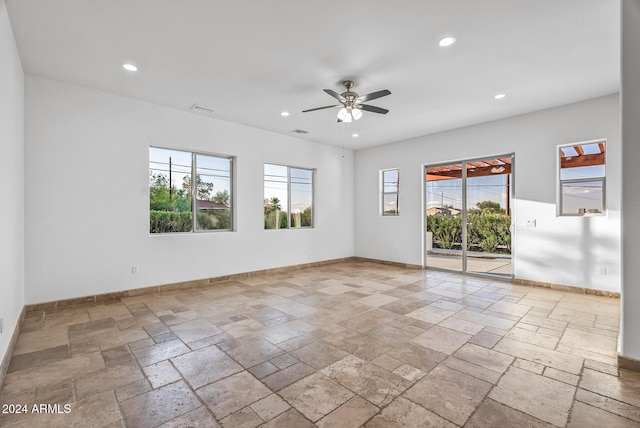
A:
351, 103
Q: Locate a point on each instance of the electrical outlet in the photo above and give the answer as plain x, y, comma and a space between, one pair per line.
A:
602, 270
134, 270
531, 223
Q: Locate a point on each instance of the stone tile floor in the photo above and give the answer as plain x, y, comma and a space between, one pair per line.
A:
344, 345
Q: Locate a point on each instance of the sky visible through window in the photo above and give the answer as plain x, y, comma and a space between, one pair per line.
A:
448, 193
275, 186
177, 164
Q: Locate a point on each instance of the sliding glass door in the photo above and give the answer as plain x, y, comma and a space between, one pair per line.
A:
468, 216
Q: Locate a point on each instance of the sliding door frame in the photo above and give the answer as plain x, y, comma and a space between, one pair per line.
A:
511, 197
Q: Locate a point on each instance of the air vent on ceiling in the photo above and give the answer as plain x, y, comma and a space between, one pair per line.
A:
299, 131
199, 109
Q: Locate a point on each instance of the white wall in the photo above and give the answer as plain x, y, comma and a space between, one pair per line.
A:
630, 93
87, 202
12, 179
560, 250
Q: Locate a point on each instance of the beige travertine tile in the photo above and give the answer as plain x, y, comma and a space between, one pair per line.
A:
270, 407
287, 331
114, 337
316, 396
610, 405
160, 405
584, 416
232, 393
367, 380
544, 322
57, 371
101, 408
409, 373
484, 357
529, 366
565, 377
161, 374
449, 393
417, 356
535, 395
291, 418
376, 300
472, 369
369, 320
485, 319
197, 329
205, 365
625, 388
486, 339
62, 318
42, 339
601, 367
285, 377
492, 414
242, 328
362, 346
387, 362
245, 418
133, 389
442, 339
198, 418
162, 351
388, 335
253, 351
533, 337
353, 413
517, 309
107, 379
403, 413
430, 315
537, 354
345, 323
463, 326
319, 354
591, 342
38, 358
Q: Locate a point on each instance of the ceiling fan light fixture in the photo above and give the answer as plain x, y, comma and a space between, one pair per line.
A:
344, 115
356, 113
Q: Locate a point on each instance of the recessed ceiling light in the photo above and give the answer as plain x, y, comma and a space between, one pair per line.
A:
446, 41
284, 113
355, 135
129, 67
499, 96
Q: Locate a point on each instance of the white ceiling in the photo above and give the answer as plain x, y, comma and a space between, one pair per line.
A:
249, 60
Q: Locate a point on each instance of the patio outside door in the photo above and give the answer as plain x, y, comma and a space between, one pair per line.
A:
468, 216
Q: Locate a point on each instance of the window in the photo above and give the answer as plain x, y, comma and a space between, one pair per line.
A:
288, 197
390, 189
176, 179
582, 178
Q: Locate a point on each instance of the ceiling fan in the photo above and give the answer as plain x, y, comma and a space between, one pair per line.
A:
351, 103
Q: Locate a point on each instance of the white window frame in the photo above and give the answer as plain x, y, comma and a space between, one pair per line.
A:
289, 213
561, 182
194, 191
383, 193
